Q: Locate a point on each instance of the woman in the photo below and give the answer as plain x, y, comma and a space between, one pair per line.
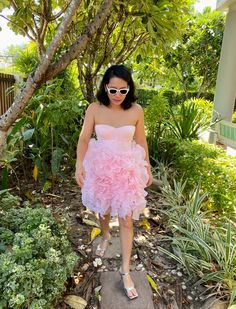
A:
114, 169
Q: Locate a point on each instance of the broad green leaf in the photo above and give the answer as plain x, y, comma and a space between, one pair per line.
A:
28, 134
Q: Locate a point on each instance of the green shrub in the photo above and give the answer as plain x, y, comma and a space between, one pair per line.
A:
155, 114
197, 161
46, 136
173, 97
35, 258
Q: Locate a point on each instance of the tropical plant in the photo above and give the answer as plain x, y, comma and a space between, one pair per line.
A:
187, 121
179, 204
208, 253
43, 137
7, 168
203, 105
205, 247
24, 59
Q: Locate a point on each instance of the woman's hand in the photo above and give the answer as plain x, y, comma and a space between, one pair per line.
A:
150, 179
80, 175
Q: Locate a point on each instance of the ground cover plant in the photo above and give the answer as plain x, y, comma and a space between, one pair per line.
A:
36, 258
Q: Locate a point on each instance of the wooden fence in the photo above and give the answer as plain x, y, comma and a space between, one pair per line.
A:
6, 96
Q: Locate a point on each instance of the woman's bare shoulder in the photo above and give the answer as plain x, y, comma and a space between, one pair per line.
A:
137, 107
92, 107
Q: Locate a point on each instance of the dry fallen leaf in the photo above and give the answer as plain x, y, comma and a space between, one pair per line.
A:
90, 222
145, 224
152, 282
95, 232
35, 172
75, 302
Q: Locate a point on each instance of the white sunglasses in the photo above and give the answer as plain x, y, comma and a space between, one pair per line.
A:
123, 91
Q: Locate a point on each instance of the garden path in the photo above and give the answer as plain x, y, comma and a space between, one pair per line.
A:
97, 280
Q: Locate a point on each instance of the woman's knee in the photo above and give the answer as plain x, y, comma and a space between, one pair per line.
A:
106, 216
126, 222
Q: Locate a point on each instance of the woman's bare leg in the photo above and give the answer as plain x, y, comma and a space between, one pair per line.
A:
126, 241
104, 224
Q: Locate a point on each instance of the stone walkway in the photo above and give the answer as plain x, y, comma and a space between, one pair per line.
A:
112, 293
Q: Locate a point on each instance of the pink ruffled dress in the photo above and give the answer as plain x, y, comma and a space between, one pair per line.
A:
116, 173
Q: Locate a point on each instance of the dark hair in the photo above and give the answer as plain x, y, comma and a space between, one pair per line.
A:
122, 72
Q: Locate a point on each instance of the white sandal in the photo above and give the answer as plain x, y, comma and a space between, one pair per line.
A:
100, 251
129, 289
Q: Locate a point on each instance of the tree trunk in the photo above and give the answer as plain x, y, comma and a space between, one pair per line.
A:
89, 88
3, 137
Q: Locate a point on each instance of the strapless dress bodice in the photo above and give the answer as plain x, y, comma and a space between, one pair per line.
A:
108, 132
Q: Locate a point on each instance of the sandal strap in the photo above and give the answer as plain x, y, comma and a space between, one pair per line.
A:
130, 288
100, 249
123, 274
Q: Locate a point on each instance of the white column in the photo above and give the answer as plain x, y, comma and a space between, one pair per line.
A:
226, 78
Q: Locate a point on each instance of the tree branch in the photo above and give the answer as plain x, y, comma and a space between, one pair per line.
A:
81, 76
63, 27
81, 42
35, 80
139, 42
59, 13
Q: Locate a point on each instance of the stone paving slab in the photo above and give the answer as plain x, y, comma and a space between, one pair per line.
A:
113, 295
113, 251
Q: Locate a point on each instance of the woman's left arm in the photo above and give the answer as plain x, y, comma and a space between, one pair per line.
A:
140, 138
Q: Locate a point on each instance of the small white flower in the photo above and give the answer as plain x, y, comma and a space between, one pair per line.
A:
135, 256
139, 266
82, 247
97, 262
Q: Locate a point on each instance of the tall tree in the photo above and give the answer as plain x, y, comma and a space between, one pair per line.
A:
194, 58
192, 62
139, 28
100, 32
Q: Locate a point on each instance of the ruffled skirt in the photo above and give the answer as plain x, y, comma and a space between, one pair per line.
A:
116, 177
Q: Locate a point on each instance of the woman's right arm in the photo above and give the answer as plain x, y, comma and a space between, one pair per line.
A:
82, 146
